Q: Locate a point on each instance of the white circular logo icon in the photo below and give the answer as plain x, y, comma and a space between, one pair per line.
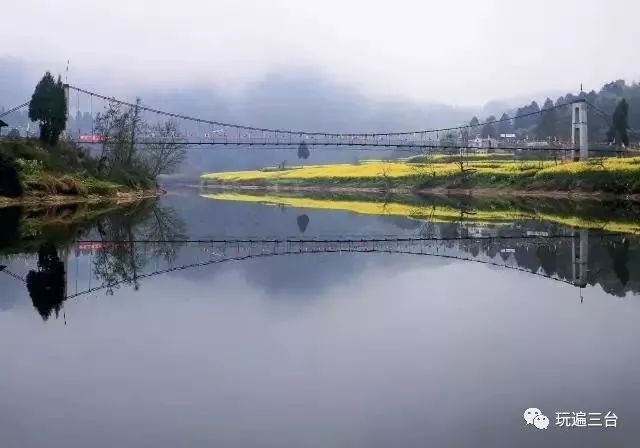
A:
533, 416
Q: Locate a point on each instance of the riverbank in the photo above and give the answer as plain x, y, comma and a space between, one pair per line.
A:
33, 173
482, 176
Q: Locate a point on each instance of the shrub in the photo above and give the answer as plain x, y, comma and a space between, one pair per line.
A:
135, 178
9, 178
24, 149
30, 167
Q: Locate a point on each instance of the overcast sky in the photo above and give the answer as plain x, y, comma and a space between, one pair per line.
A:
455, 52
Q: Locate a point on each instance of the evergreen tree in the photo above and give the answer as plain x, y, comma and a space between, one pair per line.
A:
505, 126
619, 129
303, 151
528, 120
488, 129
475, 127
548, 123
48, 106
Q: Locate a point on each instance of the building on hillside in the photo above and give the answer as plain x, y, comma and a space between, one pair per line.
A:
508, 139
483, 145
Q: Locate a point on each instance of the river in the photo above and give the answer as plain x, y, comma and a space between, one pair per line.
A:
218, 320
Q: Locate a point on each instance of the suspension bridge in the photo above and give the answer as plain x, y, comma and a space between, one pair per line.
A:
219, 133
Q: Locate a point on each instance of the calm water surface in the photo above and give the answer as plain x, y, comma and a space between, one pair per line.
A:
442, 337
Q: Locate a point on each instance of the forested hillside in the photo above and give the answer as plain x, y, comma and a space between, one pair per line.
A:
555, 123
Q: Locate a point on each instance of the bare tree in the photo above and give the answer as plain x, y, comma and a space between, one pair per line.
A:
118, 128
425, 165
384, 173
167, 152
108, 126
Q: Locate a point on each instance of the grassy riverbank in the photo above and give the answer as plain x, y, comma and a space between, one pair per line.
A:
606, 175
623, 217
63, 173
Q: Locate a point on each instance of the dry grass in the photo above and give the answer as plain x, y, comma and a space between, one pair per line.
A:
70, 185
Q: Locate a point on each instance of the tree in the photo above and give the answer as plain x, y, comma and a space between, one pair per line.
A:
384, 173
166, 153
488, 129
474, 124
548, 123
531, 117
303, 151
48, 106
614, 87
620, 125
123, 159
505, 126
13, 134
448, 140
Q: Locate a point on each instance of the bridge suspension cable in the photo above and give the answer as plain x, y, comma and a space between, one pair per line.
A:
14, 109
332, 134
307, 133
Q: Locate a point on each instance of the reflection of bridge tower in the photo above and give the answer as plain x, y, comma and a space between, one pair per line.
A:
64, 258
580, 262
579, 136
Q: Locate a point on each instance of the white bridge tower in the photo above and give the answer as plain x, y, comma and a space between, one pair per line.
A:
579, 135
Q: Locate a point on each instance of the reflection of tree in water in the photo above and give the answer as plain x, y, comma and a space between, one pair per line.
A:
548, 258
120, 259
9, 225
619, 253
47, 285
303, 222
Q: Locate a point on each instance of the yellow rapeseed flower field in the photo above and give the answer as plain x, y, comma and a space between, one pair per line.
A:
617, 175
375, 169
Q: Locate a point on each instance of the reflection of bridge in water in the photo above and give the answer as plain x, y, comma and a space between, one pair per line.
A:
491, 251
222, 251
